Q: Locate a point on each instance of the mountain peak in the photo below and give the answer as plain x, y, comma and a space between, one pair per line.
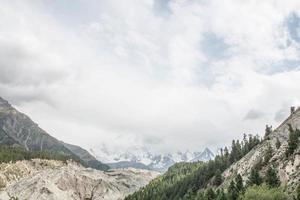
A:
4, 103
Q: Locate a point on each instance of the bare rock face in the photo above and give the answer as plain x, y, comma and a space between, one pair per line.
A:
287, 168
55, 180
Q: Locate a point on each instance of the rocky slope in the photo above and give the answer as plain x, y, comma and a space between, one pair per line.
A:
56, 180
18, 129
288, 169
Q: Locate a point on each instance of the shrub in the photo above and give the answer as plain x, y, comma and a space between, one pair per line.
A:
263, 192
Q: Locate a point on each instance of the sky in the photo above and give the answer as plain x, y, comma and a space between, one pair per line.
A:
167, 75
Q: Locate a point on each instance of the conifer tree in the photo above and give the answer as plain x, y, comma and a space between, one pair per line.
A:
232, 191
210, 194
254, 178
271, 177
293, 141
268, 131
218, 179
239, 183
269, 154
221, 195
278, 143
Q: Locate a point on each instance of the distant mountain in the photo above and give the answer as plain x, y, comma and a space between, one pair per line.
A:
86, 156
142, 158
17, 129
206, 155
128, 164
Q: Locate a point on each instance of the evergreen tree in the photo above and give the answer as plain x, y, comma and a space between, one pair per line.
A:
278, 143
293, 140
239, 183
254, 178
221, 195
246, 144
271, 178
200, 196
218, 179
233, 153
210, 194
239, 153
268, 131
232, 191
269, 154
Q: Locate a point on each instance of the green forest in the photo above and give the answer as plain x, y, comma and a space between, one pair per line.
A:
12, 154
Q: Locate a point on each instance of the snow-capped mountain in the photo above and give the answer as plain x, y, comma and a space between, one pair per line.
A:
142, 158
206, 155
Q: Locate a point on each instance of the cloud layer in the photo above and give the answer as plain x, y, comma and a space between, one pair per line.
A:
165, 74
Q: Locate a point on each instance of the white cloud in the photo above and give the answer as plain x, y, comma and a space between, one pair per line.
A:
131, 72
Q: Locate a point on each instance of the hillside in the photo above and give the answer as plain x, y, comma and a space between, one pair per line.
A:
287, 168
17, 129
252, 163
57, 180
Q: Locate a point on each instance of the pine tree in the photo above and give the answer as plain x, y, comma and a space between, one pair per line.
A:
232, 191
210, 194
254, 178
239, 153
200, 196
233, 153
268, 131
239, 183
278, 143
218, 179
246, 144
271, 178
293, 140
221, 195
269, 154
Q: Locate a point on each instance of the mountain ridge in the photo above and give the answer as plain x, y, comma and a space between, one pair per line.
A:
17, 129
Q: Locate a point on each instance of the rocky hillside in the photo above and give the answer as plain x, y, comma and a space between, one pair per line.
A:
57, 180
287, 168
19, 130
249, 169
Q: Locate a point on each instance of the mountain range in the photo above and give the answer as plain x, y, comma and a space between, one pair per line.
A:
142, 158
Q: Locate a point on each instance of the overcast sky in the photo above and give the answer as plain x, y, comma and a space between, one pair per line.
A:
166, 74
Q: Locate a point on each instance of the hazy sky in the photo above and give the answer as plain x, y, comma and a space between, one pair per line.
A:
165, 74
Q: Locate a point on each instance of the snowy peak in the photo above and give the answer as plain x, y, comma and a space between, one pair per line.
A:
142, 157
206, 155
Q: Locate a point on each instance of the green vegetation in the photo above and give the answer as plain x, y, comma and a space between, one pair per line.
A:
268, 131
298, 193
268, 155
271, 178
186, 180
12, 154
254, 178
278, 143
293, 140
263, 193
